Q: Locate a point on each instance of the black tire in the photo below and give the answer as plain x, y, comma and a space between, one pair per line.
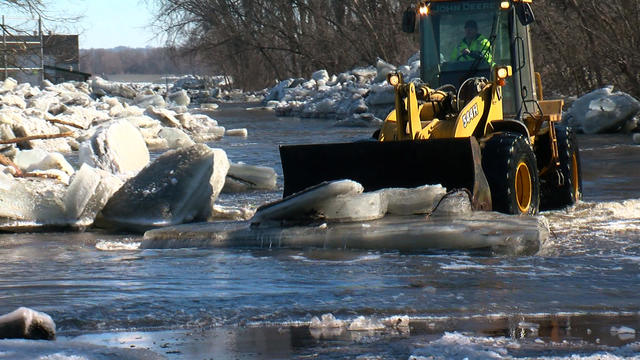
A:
565, 189
510, 167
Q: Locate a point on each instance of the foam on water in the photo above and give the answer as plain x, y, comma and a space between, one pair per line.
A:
106, 245
454, 345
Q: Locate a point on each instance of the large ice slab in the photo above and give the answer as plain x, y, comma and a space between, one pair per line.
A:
88, 193
602, 111
504, 234
30, 203
117, 147
306, 204
243, 177
179, 186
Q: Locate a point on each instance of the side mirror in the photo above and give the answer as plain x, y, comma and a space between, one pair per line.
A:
525, 13
409, 21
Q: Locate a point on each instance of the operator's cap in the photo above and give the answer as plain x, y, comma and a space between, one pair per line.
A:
471, 24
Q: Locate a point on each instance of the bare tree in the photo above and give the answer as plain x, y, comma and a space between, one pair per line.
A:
259, 41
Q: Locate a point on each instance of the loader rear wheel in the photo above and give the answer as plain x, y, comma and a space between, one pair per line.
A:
562, 187
510, 167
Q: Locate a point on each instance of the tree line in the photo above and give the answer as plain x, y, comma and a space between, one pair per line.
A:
124, 60
578, 45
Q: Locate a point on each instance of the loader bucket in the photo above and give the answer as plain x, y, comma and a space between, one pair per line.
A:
453, 163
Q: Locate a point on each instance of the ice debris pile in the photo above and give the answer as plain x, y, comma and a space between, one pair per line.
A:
604, 110
357, 97
106, 131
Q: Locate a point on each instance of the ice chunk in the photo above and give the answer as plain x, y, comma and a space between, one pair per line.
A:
25, 323
326, 321
243, 177
29, 203
179, 186
454, 203
636, 139
320, 75
420, 200
8, 85
504, 234
382, 69
352, 207
145, 101
166, 116
220, 212
33, 160
397, 322
13, 100
237, 132
117, 147
623, 332
362, 323
180, 98
209, 106
176, 138
113, 88
602, 110
305, 202
80, 191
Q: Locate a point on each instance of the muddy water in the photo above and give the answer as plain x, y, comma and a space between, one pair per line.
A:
577, 296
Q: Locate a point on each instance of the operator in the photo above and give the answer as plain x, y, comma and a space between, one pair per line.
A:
473, 46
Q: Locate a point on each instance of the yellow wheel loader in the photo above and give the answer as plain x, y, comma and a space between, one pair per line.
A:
475, 119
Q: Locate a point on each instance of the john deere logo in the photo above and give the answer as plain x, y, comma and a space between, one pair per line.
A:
470, 115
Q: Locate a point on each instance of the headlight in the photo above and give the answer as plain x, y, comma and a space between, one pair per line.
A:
424, 9
393, 79
504, 5
503, 73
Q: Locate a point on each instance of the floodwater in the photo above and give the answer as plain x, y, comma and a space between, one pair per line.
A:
578, 297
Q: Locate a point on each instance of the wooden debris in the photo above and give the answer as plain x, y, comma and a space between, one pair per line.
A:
36, 137
66, 123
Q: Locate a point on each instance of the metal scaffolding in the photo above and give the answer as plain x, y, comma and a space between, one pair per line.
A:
22, 52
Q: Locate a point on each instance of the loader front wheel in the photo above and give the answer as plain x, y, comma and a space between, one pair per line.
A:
563, 186
510, 167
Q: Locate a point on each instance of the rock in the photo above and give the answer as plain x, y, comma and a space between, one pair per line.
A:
636, 139
176, 138
243, 177
305, 204
25, 323
180, 98
420, 200
179, 186
117, 147
602, 111
237, 132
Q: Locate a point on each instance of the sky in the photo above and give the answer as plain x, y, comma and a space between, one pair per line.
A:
103, 23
